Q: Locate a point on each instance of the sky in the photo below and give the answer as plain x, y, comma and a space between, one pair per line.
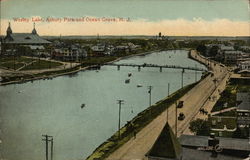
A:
128, 17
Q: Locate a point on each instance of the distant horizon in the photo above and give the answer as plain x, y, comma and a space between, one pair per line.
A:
107, 35
130, 17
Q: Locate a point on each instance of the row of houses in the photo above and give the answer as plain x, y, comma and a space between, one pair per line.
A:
71, 53
31, 44
77, 52
228, 54
108, 49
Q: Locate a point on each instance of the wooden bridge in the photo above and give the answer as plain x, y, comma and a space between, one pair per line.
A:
139, 66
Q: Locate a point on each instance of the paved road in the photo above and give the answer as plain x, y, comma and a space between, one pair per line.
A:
135, 149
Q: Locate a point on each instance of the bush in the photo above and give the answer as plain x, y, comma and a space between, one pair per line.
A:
200, 127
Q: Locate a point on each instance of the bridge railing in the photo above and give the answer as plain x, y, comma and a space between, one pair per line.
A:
157, 66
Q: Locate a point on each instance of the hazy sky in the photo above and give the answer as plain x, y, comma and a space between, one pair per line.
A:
146, 17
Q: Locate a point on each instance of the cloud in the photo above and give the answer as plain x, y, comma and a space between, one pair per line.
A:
178, 27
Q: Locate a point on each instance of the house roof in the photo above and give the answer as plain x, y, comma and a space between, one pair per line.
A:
225, 143
226, 48
34, 47
244, 100
166, 145
25, 38
195, 154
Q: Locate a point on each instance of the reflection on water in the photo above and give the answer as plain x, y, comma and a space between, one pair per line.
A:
54, 107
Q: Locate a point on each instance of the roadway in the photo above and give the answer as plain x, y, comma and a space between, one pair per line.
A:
196, 98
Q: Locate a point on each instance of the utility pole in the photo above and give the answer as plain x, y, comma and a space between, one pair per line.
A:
149, 91
47, 140
168, 96
120, 102
51, 149
196, 73
182, 77
168, 88
176, 119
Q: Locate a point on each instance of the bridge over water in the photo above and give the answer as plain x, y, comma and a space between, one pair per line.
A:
139, 66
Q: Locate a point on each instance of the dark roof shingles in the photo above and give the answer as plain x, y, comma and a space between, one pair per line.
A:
25, 38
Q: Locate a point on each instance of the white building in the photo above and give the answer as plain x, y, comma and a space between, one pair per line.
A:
244, 65
69, 54
231, 56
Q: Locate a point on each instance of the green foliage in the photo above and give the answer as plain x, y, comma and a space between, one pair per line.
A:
213, 51
229, 96
42, 64
241, 133
200, 127
202, 49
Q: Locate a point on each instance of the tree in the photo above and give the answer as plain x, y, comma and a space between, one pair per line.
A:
200, 127
202, 49
213, 51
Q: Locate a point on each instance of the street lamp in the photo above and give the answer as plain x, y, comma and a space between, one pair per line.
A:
120, 102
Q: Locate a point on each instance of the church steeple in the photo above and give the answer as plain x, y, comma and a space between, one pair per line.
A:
9, 30
34, 29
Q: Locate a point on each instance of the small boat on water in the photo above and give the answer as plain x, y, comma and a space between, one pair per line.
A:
139, 85
127, 80
82, 106
129, 74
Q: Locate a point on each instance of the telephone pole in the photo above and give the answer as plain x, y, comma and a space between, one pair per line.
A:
168, 96
182, 77
120, 102
47, 140
51, 149
196, 73
176, 119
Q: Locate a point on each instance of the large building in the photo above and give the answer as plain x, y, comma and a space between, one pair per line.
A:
243, 109
12, 40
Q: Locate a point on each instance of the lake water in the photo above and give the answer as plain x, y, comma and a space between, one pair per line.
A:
53, 107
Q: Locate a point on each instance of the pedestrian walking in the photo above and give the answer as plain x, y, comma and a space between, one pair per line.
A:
134, 134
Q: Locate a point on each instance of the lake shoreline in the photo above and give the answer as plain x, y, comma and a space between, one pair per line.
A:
142, 119
76, 69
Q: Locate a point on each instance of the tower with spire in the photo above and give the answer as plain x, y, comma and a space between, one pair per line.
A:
34, 29
9, 30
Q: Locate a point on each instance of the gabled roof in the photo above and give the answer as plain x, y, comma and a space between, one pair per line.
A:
244, 100
25, 38
166, 145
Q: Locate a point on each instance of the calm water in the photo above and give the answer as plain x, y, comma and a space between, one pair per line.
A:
53, 106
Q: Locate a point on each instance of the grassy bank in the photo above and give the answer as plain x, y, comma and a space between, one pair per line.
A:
22, 77
136, 124
228, 97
